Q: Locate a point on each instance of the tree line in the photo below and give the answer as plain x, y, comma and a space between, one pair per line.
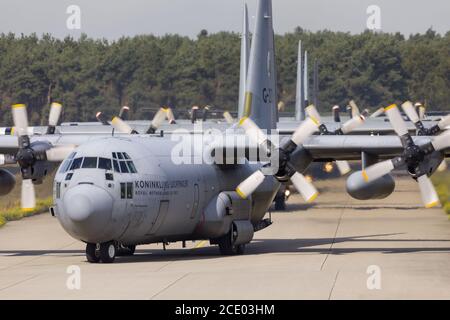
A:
146, 72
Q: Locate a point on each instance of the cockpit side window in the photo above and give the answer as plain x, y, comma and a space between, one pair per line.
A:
119, 155
65, 166
76, 164
122, 163
104, 163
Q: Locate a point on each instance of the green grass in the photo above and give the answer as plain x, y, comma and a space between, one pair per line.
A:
14, 212
442, 183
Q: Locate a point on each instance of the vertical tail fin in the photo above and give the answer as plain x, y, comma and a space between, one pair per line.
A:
260, 97
300, 100
245, 52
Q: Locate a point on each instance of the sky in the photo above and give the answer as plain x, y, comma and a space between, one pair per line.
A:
112, 19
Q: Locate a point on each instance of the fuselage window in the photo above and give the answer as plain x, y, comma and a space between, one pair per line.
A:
76, 164
104, 163
122, 190
123, 167
89, 163
129, 190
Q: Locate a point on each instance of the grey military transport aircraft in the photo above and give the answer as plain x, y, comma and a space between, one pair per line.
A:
116, 192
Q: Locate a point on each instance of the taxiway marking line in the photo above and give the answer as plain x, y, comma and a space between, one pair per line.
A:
201, 244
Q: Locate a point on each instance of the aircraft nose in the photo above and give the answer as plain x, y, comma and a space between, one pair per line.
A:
88, 210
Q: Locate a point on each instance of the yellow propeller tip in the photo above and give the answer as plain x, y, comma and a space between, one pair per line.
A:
432, 205
313, 198
392, 106
19, 105
28, 209
241, 194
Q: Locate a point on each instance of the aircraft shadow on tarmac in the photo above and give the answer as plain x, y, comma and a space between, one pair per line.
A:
306, 206
260, 246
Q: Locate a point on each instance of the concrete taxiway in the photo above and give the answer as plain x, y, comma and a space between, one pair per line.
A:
338, 248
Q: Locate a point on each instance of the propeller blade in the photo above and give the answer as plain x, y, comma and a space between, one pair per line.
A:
19, 112
249, 185
170, 116
28, 197
343, 167
123, 114
55, 113
396, 120
159, 118
443, 166
352, 124
429, 195
59, 153
102, 118
442, 141
444, 123
228, 117
312, 112
253, 131
355, 109
377, 113
121, 125
378, 170
305, 130
422, 112
304, 187
410, 111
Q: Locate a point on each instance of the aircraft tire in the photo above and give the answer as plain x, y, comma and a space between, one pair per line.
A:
228, 248
107, 252
125, 251
280, 203
92, 254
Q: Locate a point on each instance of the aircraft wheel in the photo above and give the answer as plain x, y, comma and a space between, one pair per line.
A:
92, 254
107, 252
227, 246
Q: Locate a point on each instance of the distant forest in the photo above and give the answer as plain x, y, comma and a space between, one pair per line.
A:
146, 72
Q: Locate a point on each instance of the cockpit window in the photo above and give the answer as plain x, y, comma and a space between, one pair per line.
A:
122, 163
104, 163
76, 164
72, 155
89, 163
65, 166
123, 167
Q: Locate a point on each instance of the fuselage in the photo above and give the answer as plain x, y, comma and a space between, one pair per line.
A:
131, 190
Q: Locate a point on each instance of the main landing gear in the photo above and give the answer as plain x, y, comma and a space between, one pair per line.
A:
106, 252
227, 246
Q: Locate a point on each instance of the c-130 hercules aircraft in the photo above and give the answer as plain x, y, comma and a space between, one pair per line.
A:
114, 193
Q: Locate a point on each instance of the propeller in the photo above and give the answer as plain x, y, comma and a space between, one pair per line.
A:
443, 166
286, 170
411, 112
27, 157
413, 156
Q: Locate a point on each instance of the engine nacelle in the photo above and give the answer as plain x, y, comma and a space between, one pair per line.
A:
359, 189
7, 182
220, 213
